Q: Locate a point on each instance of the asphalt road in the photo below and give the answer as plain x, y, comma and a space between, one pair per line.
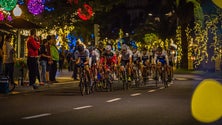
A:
63, 104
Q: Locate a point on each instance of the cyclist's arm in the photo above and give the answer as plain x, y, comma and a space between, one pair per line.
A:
167, 60
76, 55
130, 60
87, 61
154, 59
119, 59
87, 57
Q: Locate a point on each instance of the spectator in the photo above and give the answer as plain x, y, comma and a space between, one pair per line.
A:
44, 57
75, 67
49, 61
61, 58
33, 46
55, 58
8, 58
1, 55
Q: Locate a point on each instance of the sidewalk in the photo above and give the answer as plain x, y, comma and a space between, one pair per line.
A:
63, 77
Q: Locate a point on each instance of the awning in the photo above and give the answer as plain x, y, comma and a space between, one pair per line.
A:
4, 27
20, 23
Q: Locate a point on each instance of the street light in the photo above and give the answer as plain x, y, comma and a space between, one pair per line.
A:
17, 11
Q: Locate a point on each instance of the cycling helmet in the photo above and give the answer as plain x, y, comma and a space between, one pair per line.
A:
80, 48
159, 49
134, 47
90, 48
124, 47
144, 49
108, 48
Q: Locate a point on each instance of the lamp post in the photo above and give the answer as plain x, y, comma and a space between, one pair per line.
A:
17, 12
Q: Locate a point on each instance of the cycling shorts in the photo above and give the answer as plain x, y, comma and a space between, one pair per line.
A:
124, 62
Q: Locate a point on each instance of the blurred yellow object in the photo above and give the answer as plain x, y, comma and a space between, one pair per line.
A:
206, 104
218, 3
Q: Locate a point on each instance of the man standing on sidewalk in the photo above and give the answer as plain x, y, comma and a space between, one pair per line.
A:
55, 58
33, 46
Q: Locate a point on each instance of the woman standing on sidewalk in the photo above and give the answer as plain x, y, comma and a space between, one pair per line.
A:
8, 58
44, 57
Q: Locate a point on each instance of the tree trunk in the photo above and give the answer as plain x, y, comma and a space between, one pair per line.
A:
186, 17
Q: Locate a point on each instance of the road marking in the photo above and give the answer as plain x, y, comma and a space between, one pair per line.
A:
37, 116
181, 79
135, 94
113, 100
153, 90
161, 87
83, 107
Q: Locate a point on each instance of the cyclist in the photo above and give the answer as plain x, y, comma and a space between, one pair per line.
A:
94, 58
108, 62
146, 59
136, 57
161, 60
109, 58
125, 60
171, 56
82, 59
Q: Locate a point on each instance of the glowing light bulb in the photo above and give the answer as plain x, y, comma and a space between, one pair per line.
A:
17, 11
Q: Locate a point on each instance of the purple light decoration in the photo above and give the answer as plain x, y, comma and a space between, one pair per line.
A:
9, 18
36, 6
1, 16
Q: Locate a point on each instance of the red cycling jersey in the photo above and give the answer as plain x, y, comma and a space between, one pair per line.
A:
108, 59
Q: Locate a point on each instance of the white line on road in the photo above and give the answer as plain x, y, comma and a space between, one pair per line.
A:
83, 107
113, 100
37, 116
135, 94
153, 90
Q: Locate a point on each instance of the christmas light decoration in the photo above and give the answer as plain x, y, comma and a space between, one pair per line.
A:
35, 6
8, 5
17, 11
9, 18
1, 16
49, 9
21, 2
86, 13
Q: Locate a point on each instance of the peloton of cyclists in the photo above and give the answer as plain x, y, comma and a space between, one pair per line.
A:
104, 60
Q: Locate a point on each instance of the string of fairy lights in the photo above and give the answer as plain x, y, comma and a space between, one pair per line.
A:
37, 7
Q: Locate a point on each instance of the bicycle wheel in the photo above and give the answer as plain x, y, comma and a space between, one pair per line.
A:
124, 79
164, 81
82, 88
156, 77
87, 88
